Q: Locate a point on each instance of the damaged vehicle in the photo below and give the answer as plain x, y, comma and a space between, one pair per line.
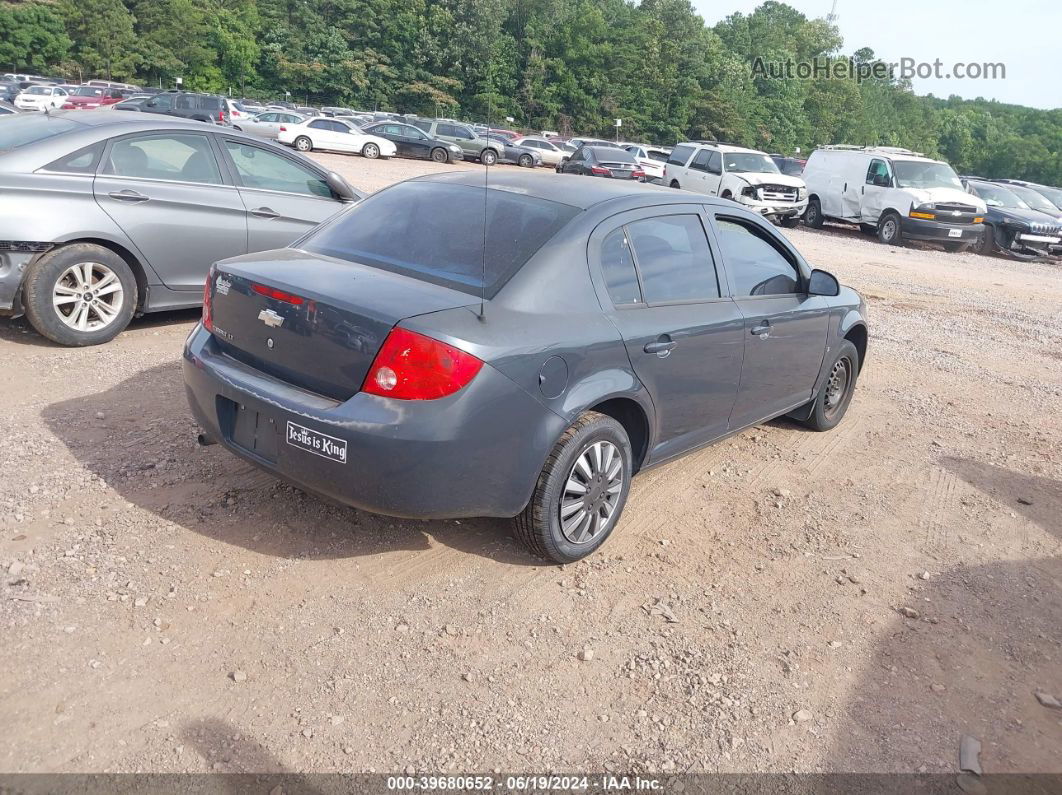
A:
1012, 227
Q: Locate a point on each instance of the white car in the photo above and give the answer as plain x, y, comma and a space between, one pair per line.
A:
268, 124
896, 193
551, 153
650, 158
747, 176
337, 135
41, 97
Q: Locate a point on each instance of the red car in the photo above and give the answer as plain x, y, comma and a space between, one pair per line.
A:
506, 133
89, 97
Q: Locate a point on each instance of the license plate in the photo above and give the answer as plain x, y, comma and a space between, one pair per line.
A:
954, 233
317, 443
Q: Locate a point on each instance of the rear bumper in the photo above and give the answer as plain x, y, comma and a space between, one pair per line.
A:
476, 453
924, 229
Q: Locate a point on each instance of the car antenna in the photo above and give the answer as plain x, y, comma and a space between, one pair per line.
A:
486, 185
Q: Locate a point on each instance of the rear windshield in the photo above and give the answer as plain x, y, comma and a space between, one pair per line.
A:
680, 155
435, 232
26, 128
608, 154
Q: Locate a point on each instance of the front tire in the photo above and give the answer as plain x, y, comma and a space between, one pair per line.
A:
674, 184
370, 151
489, 157
831, 403
581, 491
439, 155
889, 230
303, 144
986, 244
80, 295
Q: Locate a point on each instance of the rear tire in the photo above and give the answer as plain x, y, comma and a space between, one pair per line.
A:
813, 215
831, 403
569, 468
889, 230
674, 184
80, 295
303, 144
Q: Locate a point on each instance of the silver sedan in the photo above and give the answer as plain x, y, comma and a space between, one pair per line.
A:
267, 125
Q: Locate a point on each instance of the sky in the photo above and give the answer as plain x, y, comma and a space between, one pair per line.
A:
1024, 35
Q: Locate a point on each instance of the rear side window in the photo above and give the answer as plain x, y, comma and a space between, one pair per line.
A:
423, 125
700, 162
185, 102
680, 155
617, 264
757, 267
82, 161
410, 229
674, 259
447, 130
180, 157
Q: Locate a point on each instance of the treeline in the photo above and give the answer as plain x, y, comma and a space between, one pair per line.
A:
566, 65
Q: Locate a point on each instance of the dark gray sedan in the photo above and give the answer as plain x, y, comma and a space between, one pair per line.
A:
111, 214
397, 363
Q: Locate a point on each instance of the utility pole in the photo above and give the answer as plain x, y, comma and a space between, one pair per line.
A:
832, 16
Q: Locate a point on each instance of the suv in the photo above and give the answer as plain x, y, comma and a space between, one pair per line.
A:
473, 147
894, 193
747, 176
189, 105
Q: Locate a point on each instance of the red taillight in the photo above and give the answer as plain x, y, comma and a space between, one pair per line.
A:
638, 175
283, 128
602, 172
280, 295
411, 366
208, 315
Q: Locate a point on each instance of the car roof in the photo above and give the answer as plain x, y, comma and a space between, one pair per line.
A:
575, 191
107, 118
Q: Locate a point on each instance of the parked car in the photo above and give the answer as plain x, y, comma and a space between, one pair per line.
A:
793, 166
651, 158
9, 90
512, 152
190, 105
7, 108
90, 97
577, 142
123, 213
1011, 226
474, 146
551, 154
746, 176
1052, 195
660, 345
337, 135
894, 193
602, 161
132, 104
268, 124
41, 97
414, 142
330, 110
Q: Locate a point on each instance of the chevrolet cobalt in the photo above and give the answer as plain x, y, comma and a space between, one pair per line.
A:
400, 362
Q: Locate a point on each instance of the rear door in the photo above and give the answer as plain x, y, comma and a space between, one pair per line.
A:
697, 177
167, 192
327, 134
785, 328
683, 334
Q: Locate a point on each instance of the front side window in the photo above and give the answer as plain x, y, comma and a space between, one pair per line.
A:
674, 259
617, 265
179, 157
877, 171
259, 168
757, 267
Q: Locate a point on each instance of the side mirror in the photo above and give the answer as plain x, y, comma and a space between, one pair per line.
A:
340, 187
152, 104
823, 283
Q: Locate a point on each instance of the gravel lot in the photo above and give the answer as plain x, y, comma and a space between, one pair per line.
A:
169, 608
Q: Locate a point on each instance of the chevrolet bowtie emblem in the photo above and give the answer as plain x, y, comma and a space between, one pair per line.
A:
270, 318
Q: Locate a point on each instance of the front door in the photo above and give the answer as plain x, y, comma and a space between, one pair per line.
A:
165, 190
284, 199
684, 338
875, 191
785, 328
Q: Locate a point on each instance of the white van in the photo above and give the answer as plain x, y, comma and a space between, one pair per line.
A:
894, 193
747, 176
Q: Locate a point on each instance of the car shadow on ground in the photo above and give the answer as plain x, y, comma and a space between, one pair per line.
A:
226, 748
139, 438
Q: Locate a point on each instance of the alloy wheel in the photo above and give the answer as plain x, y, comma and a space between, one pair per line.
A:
591, 493
88, 296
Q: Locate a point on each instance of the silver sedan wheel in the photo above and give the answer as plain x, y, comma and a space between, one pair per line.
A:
88, 296
592, 493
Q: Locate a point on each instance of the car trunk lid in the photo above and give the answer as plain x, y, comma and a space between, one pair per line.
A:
313, 321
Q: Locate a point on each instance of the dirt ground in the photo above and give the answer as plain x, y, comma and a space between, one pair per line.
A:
166, 607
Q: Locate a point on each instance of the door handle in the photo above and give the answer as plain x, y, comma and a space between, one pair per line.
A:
762, 330
128, 196
661, 347
265, 212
